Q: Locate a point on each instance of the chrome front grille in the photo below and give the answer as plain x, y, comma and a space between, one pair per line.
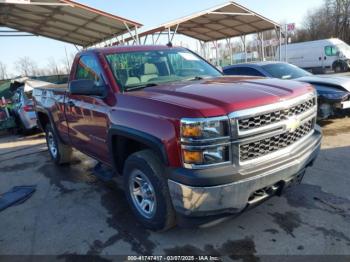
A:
247, 124
260, 133
272, 144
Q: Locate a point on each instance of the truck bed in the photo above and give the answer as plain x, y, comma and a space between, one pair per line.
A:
54, 87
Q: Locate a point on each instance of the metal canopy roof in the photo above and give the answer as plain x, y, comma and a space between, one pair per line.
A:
63, 20
220, 22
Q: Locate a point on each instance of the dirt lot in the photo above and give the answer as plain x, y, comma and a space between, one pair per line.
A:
74, 213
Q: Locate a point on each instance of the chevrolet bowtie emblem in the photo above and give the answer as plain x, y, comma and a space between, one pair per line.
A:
292, 124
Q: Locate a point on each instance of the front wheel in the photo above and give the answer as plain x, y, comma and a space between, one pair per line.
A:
147, 191
340, 67
59, 152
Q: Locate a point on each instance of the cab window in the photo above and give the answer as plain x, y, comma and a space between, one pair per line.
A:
88, 68
242, 71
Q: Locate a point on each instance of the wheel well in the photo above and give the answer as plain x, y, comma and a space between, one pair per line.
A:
43, 120
338, 62
122, 148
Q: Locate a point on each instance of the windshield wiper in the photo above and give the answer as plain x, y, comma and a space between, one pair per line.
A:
141, 86
196, 78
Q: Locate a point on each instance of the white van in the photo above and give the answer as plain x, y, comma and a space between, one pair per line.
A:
318, 56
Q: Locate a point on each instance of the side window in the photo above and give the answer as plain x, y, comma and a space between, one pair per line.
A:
251, 72
330, 50
232, 71
88, 68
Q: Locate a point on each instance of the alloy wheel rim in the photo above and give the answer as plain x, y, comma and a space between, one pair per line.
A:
142, 194
52, 144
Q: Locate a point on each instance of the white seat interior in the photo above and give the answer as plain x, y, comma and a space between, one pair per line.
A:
150, 71
132, 81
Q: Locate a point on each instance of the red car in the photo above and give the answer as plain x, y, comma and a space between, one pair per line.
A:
190, 143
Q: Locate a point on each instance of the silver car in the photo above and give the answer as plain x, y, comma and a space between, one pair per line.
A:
23, 109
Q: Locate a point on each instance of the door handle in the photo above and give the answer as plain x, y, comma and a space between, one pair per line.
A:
71, 104
320, 58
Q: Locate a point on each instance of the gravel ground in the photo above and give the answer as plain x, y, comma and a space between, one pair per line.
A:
74, 213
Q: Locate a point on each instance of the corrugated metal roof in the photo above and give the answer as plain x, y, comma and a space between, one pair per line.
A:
220, 22
64, 20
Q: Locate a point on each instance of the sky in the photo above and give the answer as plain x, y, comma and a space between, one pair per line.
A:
149, 13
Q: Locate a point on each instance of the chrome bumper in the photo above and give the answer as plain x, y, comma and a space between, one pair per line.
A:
234, 197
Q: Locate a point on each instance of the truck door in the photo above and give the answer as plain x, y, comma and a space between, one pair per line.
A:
330, 56
87, 115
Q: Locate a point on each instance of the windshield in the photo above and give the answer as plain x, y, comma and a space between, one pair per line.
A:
134, 70
285, 71
343, 48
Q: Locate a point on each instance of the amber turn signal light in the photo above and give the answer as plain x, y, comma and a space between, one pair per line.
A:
191, 131
192, 157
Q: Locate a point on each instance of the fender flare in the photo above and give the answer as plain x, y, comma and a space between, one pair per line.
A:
147, 139
52, 122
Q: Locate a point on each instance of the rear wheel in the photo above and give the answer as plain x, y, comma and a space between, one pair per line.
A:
59, 152
147, 191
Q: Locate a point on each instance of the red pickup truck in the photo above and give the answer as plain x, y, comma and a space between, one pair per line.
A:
187, 141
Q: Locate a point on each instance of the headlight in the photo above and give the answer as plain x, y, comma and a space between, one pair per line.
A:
205, 141
334, 96
199, 129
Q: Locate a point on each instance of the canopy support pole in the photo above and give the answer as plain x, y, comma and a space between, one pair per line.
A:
285, 42
158, 37
243, 38
174, 33
138, 41
228, 40
279, 36
202, 49
131, 34
144, 42
169, 38
280, 45
263, 45
216, 53
261, 38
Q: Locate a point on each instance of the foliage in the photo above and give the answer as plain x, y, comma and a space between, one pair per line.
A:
332, 19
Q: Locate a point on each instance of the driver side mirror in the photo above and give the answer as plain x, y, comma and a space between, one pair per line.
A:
86, 87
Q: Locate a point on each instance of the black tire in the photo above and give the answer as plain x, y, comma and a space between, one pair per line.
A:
63, 153
340, 67
151, 166
20, 129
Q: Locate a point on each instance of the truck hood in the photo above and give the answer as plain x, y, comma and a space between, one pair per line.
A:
336, 82
223, 95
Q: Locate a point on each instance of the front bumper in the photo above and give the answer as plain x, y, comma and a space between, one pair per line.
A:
233, 197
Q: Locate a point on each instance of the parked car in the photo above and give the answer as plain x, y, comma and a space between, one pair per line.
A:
188, 142
23, 109
318, 56
333, 91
